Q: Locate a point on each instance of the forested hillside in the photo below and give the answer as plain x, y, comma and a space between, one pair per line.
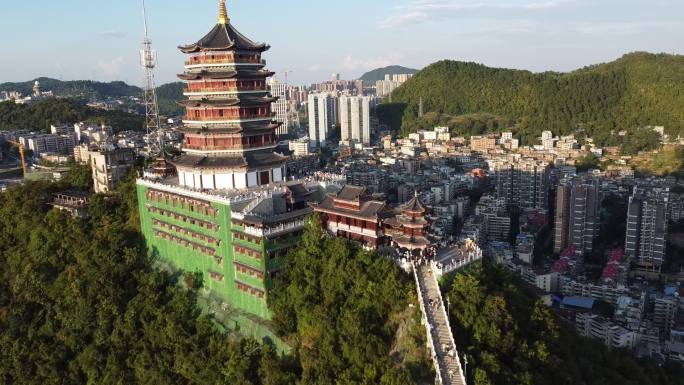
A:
88, 90
638, 90
511, 338
346, 312
40, 115
168, 96
81, 303
371, 77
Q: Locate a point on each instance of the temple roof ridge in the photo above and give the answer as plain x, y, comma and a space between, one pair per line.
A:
224, 37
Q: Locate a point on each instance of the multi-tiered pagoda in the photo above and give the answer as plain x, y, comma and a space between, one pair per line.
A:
210, 219
229, 128
409, 229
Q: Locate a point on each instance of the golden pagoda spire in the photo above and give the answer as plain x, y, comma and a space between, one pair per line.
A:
223, 12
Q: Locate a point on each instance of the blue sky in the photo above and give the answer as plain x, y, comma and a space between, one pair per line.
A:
98, 39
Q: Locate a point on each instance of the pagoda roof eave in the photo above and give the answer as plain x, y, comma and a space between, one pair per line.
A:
226, 103
246, 129
242, 162
224, 37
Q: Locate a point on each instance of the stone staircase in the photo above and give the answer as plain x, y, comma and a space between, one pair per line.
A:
440, 337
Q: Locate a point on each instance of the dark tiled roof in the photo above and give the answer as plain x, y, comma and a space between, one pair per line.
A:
298, 193
351, 193
244, 101
209, 162
249, 160
369, 209
262, 159
224, 37
414, 205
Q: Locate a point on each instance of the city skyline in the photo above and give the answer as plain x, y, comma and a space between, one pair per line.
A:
100, 40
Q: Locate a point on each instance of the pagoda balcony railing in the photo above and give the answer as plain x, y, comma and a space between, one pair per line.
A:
222, 196
211, 118
228, 148
281, 229
224, 89
227, 60
352, 229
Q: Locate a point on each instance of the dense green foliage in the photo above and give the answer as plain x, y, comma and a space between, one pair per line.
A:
636, 91
168, 96
340, 308
81, 304
40, 115
588, 162
512, 338
373, 76
80, 176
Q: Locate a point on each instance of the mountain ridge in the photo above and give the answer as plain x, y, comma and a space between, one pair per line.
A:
379, 73
167, 94
637, 90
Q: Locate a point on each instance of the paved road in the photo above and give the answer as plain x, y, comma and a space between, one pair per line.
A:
447, 355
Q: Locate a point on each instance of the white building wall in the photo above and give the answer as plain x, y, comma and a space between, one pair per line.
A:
224, 181
277, 175
355, 118
322, 110
252, 179
208, 181
240, 180
198, 180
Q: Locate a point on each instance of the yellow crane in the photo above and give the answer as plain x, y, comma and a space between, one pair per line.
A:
22, 150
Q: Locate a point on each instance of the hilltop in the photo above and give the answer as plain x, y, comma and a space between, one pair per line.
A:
40, 115
379, 73
87, 89
635, 91
167, 94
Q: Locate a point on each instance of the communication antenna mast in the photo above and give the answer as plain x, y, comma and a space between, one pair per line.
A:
148, 60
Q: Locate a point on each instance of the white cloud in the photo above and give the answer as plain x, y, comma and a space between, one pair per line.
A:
351, 63
419, 11
314, 68
622, 28
111, 69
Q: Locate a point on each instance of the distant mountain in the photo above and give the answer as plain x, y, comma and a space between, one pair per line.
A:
40, 115
379, 74
635, 91
167, 94
167, 97
87, 89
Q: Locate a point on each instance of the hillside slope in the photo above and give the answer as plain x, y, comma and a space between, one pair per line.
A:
639, 89
167, 94
40, 115
75, 88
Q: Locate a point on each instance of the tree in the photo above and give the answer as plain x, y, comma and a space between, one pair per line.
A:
513, 338
80, 176
339, 307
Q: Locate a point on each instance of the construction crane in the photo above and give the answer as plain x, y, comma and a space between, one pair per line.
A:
22, 154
